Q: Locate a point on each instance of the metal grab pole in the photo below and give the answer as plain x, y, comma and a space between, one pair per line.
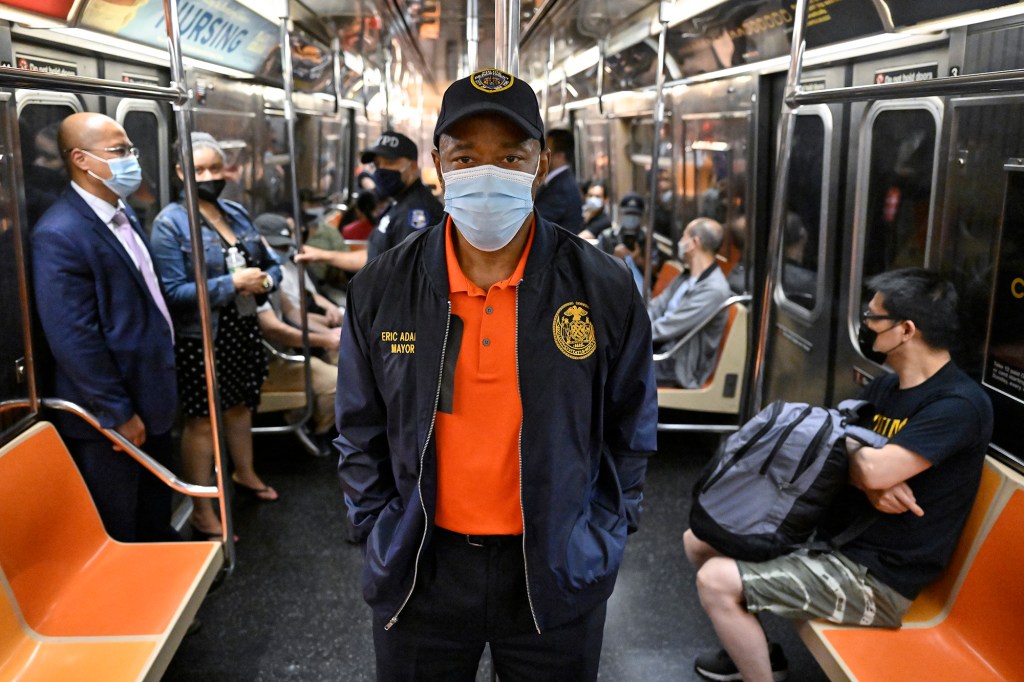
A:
472, 35
188, 171
506, 35
659, 120
289, 124
786, 126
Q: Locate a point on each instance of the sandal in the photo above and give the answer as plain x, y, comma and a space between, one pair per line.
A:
264, 494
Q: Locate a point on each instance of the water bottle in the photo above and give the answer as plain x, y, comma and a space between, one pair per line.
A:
246, 305
235, 259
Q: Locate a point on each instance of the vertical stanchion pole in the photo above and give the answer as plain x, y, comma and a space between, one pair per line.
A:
506, 35
182, 109
293, 187
659, 121
786, 126
548, 66
472, 36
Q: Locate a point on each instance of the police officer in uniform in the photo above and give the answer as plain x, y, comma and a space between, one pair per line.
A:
397, 174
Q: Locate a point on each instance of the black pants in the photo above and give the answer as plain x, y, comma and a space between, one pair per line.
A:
467, 596
135, 505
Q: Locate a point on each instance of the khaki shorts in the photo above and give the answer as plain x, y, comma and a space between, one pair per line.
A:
828, 585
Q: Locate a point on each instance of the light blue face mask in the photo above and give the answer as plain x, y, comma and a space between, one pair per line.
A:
488, 204
125, 174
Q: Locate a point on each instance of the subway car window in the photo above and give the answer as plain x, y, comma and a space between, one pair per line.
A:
899, 191
804, 219
641, 146
43, 167
143, 128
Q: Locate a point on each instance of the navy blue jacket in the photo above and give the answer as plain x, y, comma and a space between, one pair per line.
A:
588, 421
559, 201
112, 346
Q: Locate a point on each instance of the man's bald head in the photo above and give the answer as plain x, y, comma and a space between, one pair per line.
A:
84, 140
84, 130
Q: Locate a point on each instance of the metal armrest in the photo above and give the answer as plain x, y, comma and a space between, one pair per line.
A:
267, 346
732, 300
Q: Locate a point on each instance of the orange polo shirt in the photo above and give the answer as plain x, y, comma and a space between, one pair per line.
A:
478, 443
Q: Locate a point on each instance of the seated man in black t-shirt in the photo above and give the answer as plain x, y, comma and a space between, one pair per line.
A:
924, 481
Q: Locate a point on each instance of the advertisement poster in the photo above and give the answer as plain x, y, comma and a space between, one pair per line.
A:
1004, 356
218, 31
58, 9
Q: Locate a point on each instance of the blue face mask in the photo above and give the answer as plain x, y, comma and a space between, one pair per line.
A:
488, 204
389, 182
126, 174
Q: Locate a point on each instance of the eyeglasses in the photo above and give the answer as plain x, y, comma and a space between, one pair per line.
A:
118, 152
868, 315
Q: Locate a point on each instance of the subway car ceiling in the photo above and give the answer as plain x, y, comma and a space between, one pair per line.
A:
391, 59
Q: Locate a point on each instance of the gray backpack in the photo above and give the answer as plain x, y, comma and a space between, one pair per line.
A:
765, 490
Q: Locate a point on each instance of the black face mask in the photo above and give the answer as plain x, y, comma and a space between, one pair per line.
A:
209, 190
866, 337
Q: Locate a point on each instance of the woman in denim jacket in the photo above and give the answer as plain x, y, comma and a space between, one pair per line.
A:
241, 365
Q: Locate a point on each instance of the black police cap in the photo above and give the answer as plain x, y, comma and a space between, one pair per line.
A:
632, 203
391, 145
494, 91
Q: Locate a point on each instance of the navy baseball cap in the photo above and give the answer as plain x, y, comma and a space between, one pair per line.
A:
491, 90
392, 145
632, 203
274, 229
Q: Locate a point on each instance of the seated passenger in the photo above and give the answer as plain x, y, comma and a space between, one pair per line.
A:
321, 314
686, 301
290, 376
923, 482
365, 217
595, 208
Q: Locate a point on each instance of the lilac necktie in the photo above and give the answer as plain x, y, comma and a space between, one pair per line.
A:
124, 227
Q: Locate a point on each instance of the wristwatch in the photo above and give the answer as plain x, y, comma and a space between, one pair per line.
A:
268, 283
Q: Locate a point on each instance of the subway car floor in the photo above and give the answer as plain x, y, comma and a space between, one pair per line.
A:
292, 609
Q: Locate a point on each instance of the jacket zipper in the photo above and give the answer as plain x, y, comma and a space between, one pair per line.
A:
419, 479
522, 508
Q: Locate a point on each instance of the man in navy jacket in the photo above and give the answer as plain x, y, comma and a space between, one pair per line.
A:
558, 199
496, 408
107, 325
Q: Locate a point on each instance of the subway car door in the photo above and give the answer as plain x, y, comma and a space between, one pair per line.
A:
14, 342
801, 356
146, 123
892, 200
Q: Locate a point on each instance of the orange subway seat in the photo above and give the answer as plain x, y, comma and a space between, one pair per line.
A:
68, 576
978, 640
27, 657
933, 599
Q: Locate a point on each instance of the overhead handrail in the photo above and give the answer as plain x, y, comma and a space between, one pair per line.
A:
140, 456
11, 77
705, 321
971, 84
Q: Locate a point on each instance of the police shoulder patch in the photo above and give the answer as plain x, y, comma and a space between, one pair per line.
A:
417, 219
491, 80
573, 331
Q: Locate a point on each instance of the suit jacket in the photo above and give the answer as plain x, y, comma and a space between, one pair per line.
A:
112, 347
559, 202
692, 364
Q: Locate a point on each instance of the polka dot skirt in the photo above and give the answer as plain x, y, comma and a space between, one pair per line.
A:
238, 358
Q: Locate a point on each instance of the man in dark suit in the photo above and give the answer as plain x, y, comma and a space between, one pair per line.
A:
559, 198
107, 325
